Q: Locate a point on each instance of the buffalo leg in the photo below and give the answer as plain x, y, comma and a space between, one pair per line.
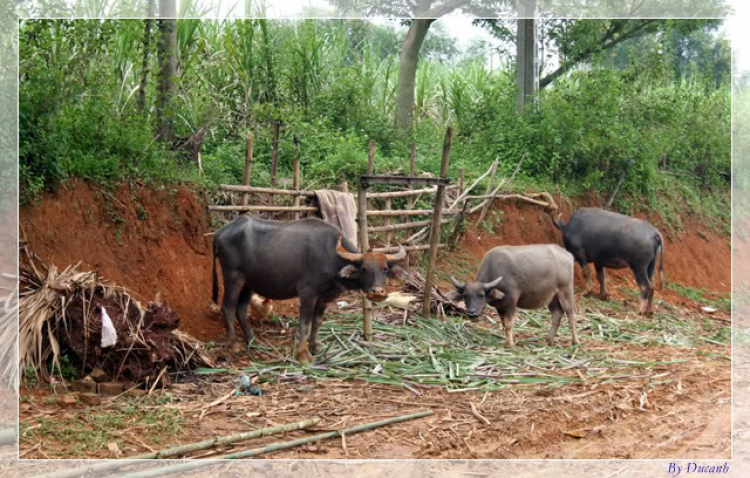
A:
603, 295
646, 287
557, 313
234, 282
508, 325
580, 258
320, 308
242, 303
306, 317
568, 303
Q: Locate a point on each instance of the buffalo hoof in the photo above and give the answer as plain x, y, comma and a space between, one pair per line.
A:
314, 348
235, 347
604, 297
305, 357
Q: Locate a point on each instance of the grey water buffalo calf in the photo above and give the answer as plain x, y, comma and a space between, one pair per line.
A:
308, 259
615, 241
522, 277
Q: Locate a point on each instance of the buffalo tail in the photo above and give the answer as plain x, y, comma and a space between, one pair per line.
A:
215, 286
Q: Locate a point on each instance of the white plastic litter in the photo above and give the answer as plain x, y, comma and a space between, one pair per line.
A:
399, 300
342, 303
109, 334
709, 310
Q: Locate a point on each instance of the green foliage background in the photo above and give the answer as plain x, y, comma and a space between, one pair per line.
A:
656, 109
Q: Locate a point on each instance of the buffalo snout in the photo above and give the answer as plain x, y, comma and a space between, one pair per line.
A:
377, 294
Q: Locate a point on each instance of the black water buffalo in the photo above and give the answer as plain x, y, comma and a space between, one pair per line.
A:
308, 259
522, 277
613, 240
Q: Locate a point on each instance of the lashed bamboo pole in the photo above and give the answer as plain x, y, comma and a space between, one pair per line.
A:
293, 209
364, 241
413, 212
436, 217
248, 165
296, 180
255, 189
291, 192
192, 465
388, 250
405, 225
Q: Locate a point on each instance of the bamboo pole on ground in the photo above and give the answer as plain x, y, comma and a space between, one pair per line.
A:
297, 179
192, 465
364, 241
248, 165
183, 449
435, 228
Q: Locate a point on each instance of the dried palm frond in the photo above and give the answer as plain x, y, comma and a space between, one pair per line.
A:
190, 351
61, 311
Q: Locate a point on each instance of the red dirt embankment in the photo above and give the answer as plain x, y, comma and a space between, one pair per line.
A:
146, 239
153, 240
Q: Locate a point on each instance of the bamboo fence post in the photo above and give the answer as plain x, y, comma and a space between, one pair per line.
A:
296, 180
195, 464
410, 201
364, 241
248, 166
435, 228
275, 152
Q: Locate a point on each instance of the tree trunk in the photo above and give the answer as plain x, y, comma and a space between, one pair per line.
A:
144, 68
167, 53
407, 74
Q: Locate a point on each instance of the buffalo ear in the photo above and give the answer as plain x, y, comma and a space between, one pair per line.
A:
496, 294
454, 296
395, 272
349, 272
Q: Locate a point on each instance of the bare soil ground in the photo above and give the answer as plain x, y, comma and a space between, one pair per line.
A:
663, 394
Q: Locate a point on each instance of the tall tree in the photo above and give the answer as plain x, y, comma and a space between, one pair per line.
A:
580, 41
167, 55
424, 13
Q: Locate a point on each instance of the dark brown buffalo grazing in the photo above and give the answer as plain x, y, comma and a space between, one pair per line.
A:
308, 259
522, 277
615, 241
